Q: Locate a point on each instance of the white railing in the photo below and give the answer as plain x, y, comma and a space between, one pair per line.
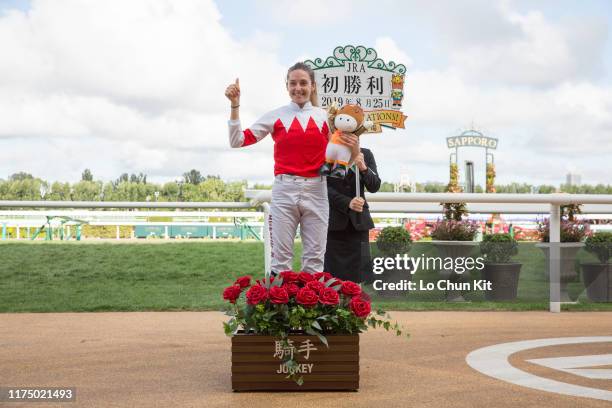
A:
516, 203
553, 201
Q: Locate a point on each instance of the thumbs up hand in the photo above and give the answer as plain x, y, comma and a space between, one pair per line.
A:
232, 92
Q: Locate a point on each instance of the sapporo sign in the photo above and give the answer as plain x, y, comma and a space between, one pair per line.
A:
355, 75
471, 138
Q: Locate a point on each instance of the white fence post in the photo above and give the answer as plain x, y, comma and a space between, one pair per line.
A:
554, 264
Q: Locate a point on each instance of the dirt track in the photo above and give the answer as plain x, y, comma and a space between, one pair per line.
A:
183, 360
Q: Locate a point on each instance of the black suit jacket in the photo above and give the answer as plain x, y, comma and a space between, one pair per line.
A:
342, 191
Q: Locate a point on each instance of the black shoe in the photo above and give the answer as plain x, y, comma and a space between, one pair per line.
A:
339, 171
325, 169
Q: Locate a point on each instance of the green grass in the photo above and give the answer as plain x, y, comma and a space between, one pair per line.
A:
86, 276
58, 277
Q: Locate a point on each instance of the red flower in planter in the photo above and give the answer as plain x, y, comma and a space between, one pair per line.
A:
289, 276
307, 297
325, 275
329, 296
350, 288
304, 277
232, 293
279, 295
291, 288
315, 285
360, 307
243, 281
256, 294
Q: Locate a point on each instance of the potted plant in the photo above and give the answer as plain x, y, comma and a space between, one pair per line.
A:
497, 249
454, 239
390, 242
394, 240
597, 275
298, 331
572, 233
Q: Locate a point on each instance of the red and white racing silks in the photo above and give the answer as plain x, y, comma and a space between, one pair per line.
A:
300, 137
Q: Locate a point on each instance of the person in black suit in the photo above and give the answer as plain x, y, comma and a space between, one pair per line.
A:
347, 255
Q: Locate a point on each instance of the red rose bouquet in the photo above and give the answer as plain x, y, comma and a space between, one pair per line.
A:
316, 304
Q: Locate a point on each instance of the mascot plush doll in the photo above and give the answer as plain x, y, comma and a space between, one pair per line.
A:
349, 119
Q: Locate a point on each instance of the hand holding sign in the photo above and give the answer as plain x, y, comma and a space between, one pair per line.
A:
360, 162
356, 204
232, 92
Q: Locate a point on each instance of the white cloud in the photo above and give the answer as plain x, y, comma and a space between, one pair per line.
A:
309, 12
142, 81
542, 53
388, 50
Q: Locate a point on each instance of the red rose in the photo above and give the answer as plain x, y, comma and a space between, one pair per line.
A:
289, 276
360, 307
231, 293
325, 275
292, 288
279, 295
307, 297
350, 288
315, 285
243, 281
304, 277
256, 294
329, 296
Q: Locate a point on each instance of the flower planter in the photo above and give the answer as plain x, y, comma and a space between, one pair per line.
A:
504, 279
597, 280
568, 252
257, 363
454, 249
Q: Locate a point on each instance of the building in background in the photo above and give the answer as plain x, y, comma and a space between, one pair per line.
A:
573, 179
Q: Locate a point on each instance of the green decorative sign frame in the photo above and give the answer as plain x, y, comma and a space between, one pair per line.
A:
355, 54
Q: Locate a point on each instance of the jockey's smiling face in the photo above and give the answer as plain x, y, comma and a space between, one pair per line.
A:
299, 86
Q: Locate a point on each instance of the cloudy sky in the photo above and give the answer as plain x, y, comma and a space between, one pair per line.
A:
137, 86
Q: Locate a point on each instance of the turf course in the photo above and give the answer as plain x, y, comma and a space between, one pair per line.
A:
128, 276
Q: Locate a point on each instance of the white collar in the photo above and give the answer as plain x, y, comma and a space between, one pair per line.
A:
295, 106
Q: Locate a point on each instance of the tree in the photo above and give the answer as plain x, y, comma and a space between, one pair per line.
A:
170, 191
123, 178
141, 178
87, 191
258, 186
193, 177
386, 187
28, 189
108, 192
546, 189
21, 176
59, 192
432, 187
86, 175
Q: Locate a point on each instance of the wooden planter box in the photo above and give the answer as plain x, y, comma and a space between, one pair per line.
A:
257, 360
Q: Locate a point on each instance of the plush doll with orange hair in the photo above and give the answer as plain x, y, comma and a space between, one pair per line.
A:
349, 119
